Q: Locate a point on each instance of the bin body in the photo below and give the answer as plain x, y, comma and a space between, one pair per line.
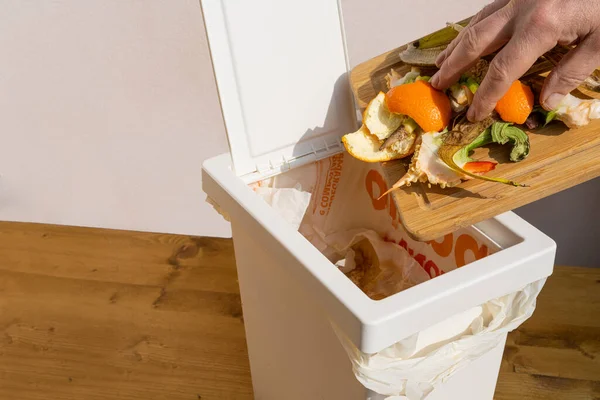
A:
294, 352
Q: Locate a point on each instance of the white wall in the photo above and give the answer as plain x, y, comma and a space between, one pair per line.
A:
107, 109
374, 27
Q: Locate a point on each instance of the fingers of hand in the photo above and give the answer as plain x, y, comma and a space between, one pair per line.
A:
573, 69
481, 39
481, 15
508, 66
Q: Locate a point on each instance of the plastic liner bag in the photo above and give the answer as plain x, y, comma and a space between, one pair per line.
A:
379, 268
412, 368
290, 203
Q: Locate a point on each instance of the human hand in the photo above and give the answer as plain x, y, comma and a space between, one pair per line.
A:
527, 29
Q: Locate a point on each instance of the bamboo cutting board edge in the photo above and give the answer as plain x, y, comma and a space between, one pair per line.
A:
560, 158
489, 207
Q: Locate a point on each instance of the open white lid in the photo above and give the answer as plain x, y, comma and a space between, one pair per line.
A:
281, 73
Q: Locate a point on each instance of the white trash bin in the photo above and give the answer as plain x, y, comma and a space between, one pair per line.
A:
280, 69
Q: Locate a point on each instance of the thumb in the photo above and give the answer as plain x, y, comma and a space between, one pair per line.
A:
571, 71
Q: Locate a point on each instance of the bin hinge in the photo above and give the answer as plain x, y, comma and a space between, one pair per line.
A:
318, 150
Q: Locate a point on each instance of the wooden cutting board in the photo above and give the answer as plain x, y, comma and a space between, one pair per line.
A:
559, 159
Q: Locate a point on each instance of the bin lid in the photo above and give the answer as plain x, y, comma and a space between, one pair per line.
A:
282, 77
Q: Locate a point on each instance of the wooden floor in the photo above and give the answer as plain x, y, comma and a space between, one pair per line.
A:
94, 314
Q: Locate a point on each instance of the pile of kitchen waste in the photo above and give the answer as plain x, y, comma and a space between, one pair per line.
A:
412, 119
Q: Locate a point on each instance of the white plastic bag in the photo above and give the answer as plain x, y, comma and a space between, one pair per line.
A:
413, 367
290, 203
383, 268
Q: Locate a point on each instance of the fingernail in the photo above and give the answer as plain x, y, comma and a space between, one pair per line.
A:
474, 116
553, 101
471, 116
440, 58
435, 80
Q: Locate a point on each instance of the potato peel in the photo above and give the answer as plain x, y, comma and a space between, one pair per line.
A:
379, 124
365, 146
379, 120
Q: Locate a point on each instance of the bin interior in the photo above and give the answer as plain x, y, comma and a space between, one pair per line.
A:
360, 262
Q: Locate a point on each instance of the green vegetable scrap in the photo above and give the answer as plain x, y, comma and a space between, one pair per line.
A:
462, 156
504, 132
443, 37
501, 133
471, 84
550, 116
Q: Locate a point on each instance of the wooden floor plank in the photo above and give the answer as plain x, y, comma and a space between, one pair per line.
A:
95, 314
99, 314
512, 386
